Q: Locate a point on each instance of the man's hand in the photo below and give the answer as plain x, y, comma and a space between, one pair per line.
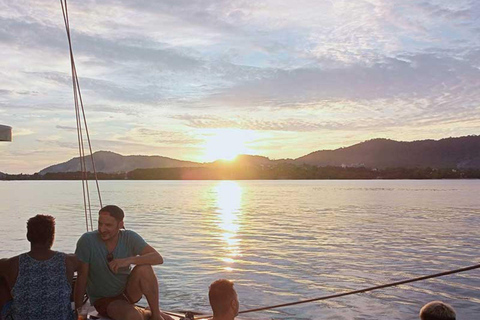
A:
119, 263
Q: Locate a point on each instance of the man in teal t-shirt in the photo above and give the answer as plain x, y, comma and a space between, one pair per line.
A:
105, 272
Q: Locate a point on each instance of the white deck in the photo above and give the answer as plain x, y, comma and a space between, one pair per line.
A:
93, 314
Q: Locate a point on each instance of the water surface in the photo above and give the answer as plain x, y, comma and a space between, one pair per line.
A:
282, 241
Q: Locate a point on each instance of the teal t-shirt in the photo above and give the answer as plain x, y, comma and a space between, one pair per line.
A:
102, 282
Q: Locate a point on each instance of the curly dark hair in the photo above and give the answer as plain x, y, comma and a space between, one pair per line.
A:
41, 230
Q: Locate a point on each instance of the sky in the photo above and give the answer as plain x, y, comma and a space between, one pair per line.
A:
200, 80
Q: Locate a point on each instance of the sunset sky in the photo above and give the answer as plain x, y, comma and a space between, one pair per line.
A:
200, 80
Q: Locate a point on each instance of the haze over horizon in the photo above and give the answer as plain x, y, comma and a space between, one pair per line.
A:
202, 80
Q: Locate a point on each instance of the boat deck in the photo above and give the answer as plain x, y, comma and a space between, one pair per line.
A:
93, 314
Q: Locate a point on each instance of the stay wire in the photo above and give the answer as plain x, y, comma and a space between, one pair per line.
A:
79, 104
77, 117
392, 284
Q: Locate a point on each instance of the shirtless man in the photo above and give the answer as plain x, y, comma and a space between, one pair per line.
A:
437, 310
105, 258
223, 300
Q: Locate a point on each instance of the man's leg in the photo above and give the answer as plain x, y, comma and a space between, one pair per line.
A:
123, 310
143, 281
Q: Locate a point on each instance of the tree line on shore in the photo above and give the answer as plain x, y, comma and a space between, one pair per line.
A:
283, 171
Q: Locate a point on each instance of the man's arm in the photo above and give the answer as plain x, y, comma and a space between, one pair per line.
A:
81, 283
148, 256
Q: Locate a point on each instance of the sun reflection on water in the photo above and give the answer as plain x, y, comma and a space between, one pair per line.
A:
229, 202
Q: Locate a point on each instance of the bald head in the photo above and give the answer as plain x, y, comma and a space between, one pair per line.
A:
223, 298
437, 310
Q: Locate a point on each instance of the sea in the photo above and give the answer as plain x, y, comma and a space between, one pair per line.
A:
282, 241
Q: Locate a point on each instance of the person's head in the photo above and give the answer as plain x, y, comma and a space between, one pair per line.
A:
223, 299
41, 230
110, 221
437, 310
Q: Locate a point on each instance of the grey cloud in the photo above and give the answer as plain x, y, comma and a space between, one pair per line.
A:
66, 128
436, 11
167, 137
38, 36
419, 75
136, 147
287, 124
57, 143
109, 89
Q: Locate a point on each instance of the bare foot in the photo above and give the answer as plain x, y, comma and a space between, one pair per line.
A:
146, 314
161, 316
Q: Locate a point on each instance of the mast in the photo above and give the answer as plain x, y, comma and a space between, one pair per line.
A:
5, 133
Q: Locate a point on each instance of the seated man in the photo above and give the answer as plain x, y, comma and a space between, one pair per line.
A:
223, 300
105, 259
39, 281
437, 310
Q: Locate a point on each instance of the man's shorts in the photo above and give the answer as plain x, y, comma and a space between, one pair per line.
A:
101, 305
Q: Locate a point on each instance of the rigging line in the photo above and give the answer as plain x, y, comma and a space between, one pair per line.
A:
65, 18
392, 284
85, 123
85, 189
77, 117
83, 163
88, 139
82, 156
77, 93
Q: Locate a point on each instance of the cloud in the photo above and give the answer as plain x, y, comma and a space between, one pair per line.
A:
159, 137
66, 128
446, 85
155, 75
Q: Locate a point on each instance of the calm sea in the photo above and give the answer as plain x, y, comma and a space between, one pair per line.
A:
283, 241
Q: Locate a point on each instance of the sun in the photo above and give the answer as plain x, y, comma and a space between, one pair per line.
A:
226, 144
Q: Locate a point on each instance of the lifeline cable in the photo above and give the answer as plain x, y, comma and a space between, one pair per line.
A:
392, 284
79, 105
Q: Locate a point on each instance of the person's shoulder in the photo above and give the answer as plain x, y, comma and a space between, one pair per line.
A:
11, 260
14, 260
71, 259
88, 239
9, 263
131, 235
91, 235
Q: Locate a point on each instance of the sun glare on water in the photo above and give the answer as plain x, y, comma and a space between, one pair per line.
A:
226, 144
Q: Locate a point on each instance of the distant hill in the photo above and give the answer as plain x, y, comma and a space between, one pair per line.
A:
461, 153
110, 162
245, 160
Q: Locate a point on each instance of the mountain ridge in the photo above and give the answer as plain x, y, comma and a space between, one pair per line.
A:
460, 152
111, 162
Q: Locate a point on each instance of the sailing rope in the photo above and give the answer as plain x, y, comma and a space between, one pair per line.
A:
79, 114
392, 284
